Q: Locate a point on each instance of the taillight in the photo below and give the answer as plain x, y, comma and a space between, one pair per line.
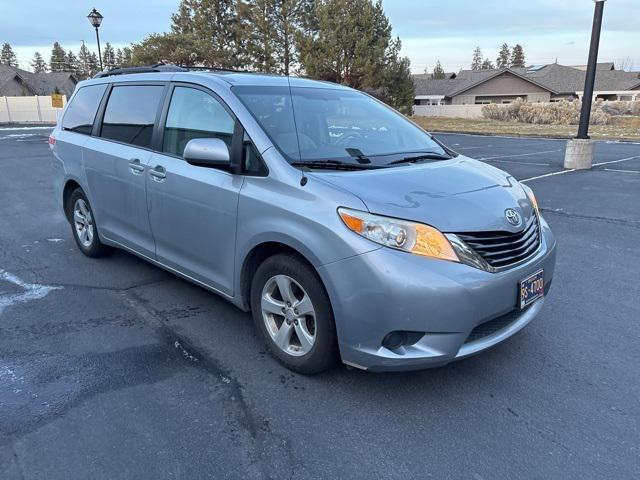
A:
52, 140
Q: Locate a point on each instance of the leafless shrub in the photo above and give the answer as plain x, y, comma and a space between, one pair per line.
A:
558, 113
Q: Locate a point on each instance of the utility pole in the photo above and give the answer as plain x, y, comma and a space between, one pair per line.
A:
579, 153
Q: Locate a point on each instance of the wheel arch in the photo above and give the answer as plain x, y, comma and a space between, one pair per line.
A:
258, 254
69, 187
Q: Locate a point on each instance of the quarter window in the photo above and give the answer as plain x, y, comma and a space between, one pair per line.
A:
81, 112
195, 114
131, 113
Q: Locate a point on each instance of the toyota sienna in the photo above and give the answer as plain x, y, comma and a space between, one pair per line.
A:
349, 232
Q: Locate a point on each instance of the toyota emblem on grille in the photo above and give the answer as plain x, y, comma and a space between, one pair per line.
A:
513, 217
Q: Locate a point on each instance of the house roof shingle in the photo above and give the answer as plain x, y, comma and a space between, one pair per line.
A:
558, 79
38, 83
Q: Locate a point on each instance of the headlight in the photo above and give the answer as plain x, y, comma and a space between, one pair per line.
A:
402, 235
531, 196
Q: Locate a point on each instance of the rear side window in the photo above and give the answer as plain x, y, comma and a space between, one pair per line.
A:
81, 112
131, 113
195, 114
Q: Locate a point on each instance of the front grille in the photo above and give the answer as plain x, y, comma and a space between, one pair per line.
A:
501, 249
492, 326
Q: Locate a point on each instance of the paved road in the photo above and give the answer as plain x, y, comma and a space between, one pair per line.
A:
115, 369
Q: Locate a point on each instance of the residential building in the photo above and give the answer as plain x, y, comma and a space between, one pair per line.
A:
545, 83
15, 82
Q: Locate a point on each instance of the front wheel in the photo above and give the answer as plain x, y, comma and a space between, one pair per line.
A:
292, 311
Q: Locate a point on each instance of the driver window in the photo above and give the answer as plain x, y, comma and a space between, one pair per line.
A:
195, 114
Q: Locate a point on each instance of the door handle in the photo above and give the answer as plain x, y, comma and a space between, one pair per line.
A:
135, 166
159, 173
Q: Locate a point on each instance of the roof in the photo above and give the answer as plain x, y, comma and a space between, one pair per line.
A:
39, 83
599, 66
565, 79
557, 79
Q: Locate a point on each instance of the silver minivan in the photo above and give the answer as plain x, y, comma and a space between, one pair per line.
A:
349, 232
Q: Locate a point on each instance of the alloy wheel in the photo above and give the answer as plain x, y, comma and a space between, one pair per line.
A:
289, 316
83, 223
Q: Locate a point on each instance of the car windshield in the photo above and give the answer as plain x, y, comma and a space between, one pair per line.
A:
319, 124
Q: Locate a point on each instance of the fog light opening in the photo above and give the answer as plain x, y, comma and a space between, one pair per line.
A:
400, 338
394, 340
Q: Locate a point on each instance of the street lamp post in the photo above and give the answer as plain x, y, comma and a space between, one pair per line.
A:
96, 19
590, 76
579, 152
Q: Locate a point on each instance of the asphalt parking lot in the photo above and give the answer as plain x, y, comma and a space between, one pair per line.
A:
113, 368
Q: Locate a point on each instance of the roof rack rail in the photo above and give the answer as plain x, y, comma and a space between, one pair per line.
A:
158, 67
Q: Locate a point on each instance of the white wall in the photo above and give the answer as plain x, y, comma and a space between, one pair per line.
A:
29, 109
459, 111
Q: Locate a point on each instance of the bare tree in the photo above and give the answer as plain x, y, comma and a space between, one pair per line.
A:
625, 64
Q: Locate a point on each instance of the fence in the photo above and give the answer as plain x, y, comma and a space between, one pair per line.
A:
29, 109
459, 111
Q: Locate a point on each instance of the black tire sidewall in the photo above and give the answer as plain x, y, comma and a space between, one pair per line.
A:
324, 353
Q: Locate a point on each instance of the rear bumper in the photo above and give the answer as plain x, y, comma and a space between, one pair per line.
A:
384, 290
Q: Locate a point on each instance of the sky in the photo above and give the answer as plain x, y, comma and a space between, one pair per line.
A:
447, 30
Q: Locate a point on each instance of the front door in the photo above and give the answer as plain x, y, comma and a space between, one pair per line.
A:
115, 164
192, 210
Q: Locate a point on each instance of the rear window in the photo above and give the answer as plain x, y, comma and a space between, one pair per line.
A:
81, 112
131, 113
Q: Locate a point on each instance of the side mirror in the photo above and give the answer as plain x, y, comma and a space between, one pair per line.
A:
207, 152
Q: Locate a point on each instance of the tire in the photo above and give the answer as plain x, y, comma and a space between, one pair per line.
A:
308, 343
79, 213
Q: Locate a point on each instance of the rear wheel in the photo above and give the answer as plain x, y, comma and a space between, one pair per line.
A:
83, 225
292, 311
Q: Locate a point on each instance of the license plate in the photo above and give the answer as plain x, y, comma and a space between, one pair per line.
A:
531, 289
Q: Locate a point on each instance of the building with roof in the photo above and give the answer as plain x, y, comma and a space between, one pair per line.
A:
544, 83
15, 82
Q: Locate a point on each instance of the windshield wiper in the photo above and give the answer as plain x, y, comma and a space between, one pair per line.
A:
335, 165
424, 156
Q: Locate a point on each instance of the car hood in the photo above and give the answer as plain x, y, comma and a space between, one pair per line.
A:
457, 195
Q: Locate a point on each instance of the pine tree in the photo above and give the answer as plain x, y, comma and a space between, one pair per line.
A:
57, 59
487, 65
398, 89
517, 57
438, 71
118, 58
126, 57
108, 56
71, 63
182, 19
504, 56
257, 22
94, 65
291, 18
7, 56
349, 42
213, 30
476, 61
38, 64
84, 62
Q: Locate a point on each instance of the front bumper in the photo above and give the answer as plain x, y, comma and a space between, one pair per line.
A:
385, 290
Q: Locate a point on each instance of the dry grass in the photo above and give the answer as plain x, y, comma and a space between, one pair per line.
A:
621, 128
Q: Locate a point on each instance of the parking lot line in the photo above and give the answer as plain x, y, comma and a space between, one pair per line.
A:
548, 175
616, 161
518, 155
573, 169
622, 171
519, 163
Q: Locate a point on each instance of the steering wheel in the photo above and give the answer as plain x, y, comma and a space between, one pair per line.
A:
342, 141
